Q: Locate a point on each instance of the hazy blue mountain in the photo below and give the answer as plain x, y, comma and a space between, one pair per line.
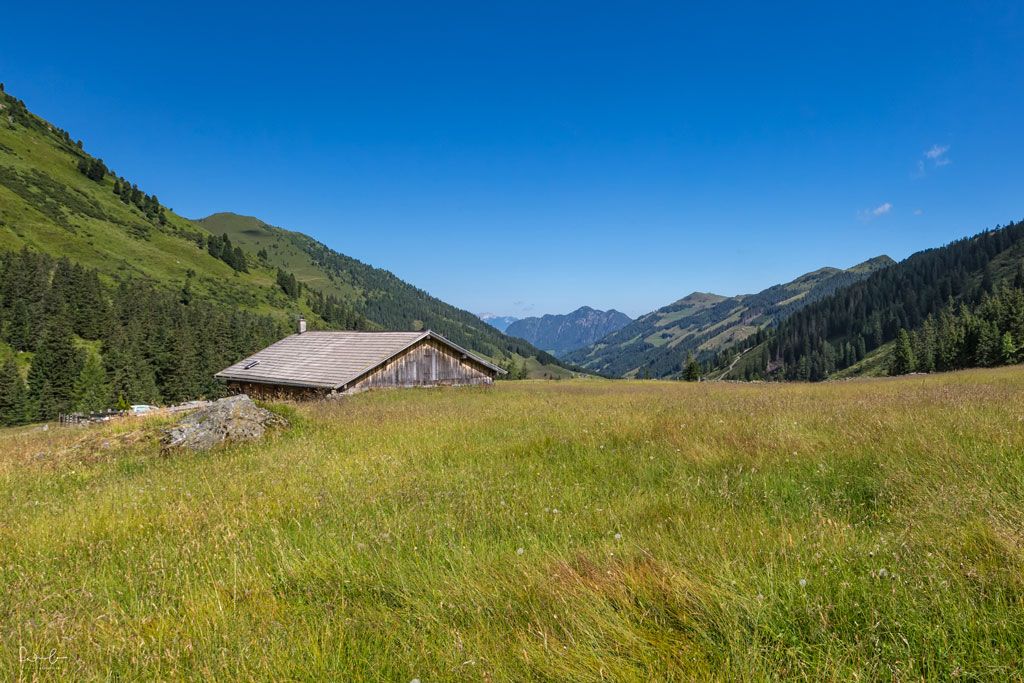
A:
560, 334
499, 322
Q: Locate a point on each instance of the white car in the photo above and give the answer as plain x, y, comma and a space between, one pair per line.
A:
141, 409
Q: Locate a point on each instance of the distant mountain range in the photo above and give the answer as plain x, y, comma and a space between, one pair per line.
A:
656, 344
560, 334
498, 322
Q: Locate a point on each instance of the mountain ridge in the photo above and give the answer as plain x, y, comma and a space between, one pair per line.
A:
702, 323
559, 334
956, 306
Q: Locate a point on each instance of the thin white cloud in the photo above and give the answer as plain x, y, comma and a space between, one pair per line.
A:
936, 156
880, 210
918, 212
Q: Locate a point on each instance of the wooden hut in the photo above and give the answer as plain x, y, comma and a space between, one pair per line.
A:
315, 364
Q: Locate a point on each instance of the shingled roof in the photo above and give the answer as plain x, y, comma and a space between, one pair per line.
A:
329, 360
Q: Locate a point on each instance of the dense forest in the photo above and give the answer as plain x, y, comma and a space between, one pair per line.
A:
73, 343
945, 298
95, 346
988, 334
393, 304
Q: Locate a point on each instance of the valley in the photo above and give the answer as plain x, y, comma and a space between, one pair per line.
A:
313, 364
702, 324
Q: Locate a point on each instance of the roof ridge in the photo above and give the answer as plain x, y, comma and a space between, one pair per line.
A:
333, 358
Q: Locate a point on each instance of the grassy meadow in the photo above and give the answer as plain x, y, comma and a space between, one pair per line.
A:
580, 530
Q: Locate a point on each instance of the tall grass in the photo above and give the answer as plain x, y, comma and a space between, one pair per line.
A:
577, 531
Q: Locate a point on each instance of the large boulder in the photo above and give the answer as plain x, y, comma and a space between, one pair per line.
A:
235, 418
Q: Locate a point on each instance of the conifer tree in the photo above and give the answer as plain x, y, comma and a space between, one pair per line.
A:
19, 329
13, 405
987, 352
238, 261
903, 355
54, 372
215, 247
924, 348
987, 279
92, 393
290, 286
1008, 349
183, 380
691, 369
131, 376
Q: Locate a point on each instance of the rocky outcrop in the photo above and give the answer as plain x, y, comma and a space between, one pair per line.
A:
231, 419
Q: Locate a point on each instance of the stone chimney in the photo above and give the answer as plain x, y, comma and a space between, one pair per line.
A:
302, 324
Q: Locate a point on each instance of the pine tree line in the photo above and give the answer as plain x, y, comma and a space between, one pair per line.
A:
289, 284
93, 169
335, 312
842, 329
963, 336
129, 193
222, 248
94, 346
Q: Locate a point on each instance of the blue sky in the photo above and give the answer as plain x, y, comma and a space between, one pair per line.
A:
524, 158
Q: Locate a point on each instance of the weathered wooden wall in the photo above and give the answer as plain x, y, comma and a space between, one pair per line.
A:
428, 363
276, 392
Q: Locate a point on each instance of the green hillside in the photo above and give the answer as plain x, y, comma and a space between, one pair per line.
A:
957, 306
376, 294
284, 249
656, 344
59, 201
48, 205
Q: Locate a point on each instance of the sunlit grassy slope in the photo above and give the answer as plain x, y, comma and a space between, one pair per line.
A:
48, 205
580, 530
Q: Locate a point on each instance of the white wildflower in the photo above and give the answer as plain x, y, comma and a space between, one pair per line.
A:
520, 551
803, 582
